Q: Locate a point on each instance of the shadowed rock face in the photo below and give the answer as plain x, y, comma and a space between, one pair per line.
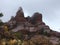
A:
20, 13
20, 16
36, 19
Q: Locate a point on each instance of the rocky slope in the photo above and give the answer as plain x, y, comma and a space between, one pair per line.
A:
30, 30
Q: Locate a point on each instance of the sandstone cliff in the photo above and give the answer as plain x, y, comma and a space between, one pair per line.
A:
30, 30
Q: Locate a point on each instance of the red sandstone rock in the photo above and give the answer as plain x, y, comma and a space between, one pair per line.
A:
37, 17
20, 16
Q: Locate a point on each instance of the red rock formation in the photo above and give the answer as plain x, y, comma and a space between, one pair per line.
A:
35, 20
20, 16
37, 17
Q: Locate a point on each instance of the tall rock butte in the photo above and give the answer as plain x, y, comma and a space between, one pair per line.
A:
37, 18
20, 16
34, 23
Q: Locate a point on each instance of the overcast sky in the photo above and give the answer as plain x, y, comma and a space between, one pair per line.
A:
50, 10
